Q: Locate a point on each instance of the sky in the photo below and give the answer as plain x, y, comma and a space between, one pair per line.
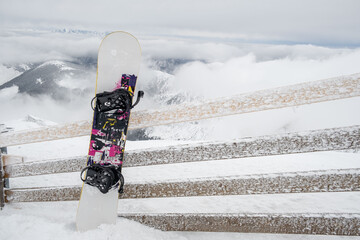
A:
202, 29
318, 22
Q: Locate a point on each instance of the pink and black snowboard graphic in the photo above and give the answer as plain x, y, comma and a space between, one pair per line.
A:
109, 130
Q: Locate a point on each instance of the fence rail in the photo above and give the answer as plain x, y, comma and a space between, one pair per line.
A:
309, 141
325, 224
295, 95
343, 180
316, 181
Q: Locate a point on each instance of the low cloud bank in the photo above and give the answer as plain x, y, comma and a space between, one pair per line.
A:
209, 70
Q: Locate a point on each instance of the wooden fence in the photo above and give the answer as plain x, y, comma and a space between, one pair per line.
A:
333, 180
295, 95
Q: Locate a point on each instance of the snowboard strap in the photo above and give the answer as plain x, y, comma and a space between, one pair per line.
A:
107, 176
119, 99
104, 177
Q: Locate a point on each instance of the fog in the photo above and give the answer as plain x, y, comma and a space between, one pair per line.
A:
212, 70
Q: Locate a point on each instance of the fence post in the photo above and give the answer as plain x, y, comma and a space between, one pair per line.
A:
2, 180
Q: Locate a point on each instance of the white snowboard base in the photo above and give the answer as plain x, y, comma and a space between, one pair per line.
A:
96, 208
119, 53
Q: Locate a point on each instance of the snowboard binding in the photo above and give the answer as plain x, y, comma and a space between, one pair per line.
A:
110, 118
120, 100
104, 177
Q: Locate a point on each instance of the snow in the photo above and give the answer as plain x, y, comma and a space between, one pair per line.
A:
243, 66
309, 203
210, 169
18, 223
79, 146
60, 64
56, 220
28, 122
39, 81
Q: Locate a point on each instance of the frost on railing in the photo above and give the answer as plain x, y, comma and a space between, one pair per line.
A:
288, 96
309, 141
295, 95
292, 223
337, 180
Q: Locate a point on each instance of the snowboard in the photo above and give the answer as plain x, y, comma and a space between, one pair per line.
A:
118, 65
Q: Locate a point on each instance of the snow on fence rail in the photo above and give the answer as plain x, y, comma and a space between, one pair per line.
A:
337, 180
324, 224
295, 95
309, 141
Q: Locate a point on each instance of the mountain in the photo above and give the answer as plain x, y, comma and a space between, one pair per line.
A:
59, 79
168, 65
62, 79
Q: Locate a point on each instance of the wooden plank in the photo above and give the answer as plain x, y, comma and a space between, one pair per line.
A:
62, 193
301, 182
288, 96
73, 164
324, 224
12, 159
56, 132
295, 95
309, 141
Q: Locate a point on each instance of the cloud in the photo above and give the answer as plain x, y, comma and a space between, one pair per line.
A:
216, 69
7, 73
245, 73
237, 75
8, 93
188, 49
330, 114
20, 105
36, 45
22, 46
322, 22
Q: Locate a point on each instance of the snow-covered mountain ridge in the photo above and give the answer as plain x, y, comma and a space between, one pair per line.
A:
46, 79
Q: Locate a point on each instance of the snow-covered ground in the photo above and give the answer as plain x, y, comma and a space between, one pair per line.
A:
56, 220
210, 169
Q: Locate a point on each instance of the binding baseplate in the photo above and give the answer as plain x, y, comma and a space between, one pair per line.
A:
104, 177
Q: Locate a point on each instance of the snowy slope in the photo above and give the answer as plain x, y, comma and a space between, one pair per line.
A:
55, 220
